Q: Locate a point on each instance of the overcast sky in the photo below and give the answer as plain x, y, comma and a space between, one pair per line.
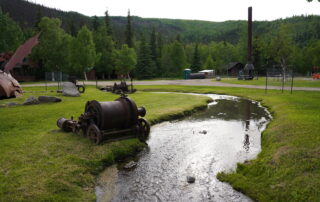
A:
210, 10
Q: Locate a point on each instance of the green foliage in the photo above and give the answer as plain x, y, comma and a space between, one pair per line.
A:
313, 51
281, 46
84, 54
105, 47
222, 54
125, 60
146, 66
129, 32
209, 64
95, 23
154, 49
291, 42
11, 35
196, 60
53, 49
178, 58
107, 23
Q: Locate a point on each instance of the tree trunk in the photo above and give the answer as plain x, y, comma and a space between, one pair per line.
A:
85, 76
284, 68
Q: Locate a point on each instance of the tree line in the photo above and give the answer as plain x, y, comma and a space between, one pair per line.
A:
150, 54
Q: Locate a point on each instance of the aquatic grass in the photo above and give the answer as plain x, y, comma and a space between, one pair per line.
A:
288, 167
38, 162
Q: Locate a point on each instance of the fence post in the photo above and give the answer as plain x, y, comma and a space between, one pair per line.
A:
291, 82
266, 88
283, 75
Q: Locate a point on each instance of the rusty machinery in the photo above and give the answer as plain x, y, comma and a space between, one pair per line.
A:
117, 119
73, 79
120, 88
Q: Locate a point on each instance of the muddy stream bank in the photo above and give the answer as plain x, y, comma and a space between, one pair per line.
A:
200, 146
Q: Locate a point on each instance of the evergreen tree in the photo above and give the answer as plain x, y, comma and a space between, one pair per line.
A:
209, 64
160, 50
160, 44
95, 23
146, 67
72, 28
105, 47
154, 48
129, 32
107, 22
178, 59
38, 19
178, 38
196, 62
11, 35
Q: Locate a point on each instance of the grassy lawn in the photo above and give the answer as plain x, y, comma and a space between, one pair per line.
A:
288, 168
297, 82
38, 162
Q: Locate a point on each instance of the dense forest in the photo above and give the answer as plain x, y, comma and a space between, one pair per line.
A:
148, 48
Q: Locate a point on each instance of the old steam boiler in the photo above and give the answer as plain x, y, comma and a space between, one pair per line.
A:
117, 119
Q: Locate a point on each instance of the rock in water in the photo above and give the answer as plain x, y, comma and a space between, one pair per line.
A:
47, 99
31, 101
130, 165
70, 89
191, 179
203, 132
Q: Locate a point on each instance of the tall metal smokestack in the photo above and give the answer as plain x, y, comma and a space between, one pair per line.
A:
249, 35
249, 68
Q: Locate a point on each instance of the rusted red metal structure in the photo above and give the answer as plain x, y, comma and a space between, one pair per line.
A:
10, 87
117, 119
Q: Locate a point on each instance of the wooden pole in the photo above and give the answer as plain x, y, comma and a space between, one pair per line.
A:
266, 88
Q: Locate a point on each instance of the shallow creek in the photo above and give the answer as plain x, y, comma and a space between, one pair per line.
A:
201, 145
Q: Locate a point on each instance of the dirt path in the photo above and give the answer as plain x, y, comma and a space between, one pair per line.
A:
194, 82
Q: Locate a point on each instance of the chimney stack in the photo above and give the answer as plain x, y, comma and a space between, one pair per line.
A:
249, 59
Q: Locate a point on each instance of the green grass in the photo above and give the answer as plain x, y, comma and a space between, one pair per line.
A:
297, 82
288, 168
38, 162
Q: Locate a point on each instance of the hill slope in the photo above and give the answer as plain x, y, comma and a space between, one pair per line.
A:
304, 28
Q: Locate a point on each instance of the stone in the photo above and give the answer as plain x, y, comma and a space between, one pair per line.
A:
11, 104
31, 101
130, 165
203, 132
48, 99
191, 179
70, 89
218, 78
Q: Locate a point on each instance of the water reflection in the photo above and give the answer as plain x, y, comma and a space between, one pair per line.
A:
201, 146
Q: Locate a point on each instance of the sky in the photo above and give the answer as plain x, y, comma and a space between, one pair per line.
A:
209, 10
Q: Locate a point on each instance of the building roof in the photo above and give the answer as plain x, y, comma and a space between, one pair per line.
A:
233, 64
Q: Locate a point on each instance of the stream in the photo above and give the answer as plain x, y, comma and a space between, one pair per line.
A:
200, 145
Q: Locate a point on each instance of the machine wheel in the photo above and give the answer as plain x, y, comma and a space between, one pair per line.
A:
144, 130
81, 88
94, 133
